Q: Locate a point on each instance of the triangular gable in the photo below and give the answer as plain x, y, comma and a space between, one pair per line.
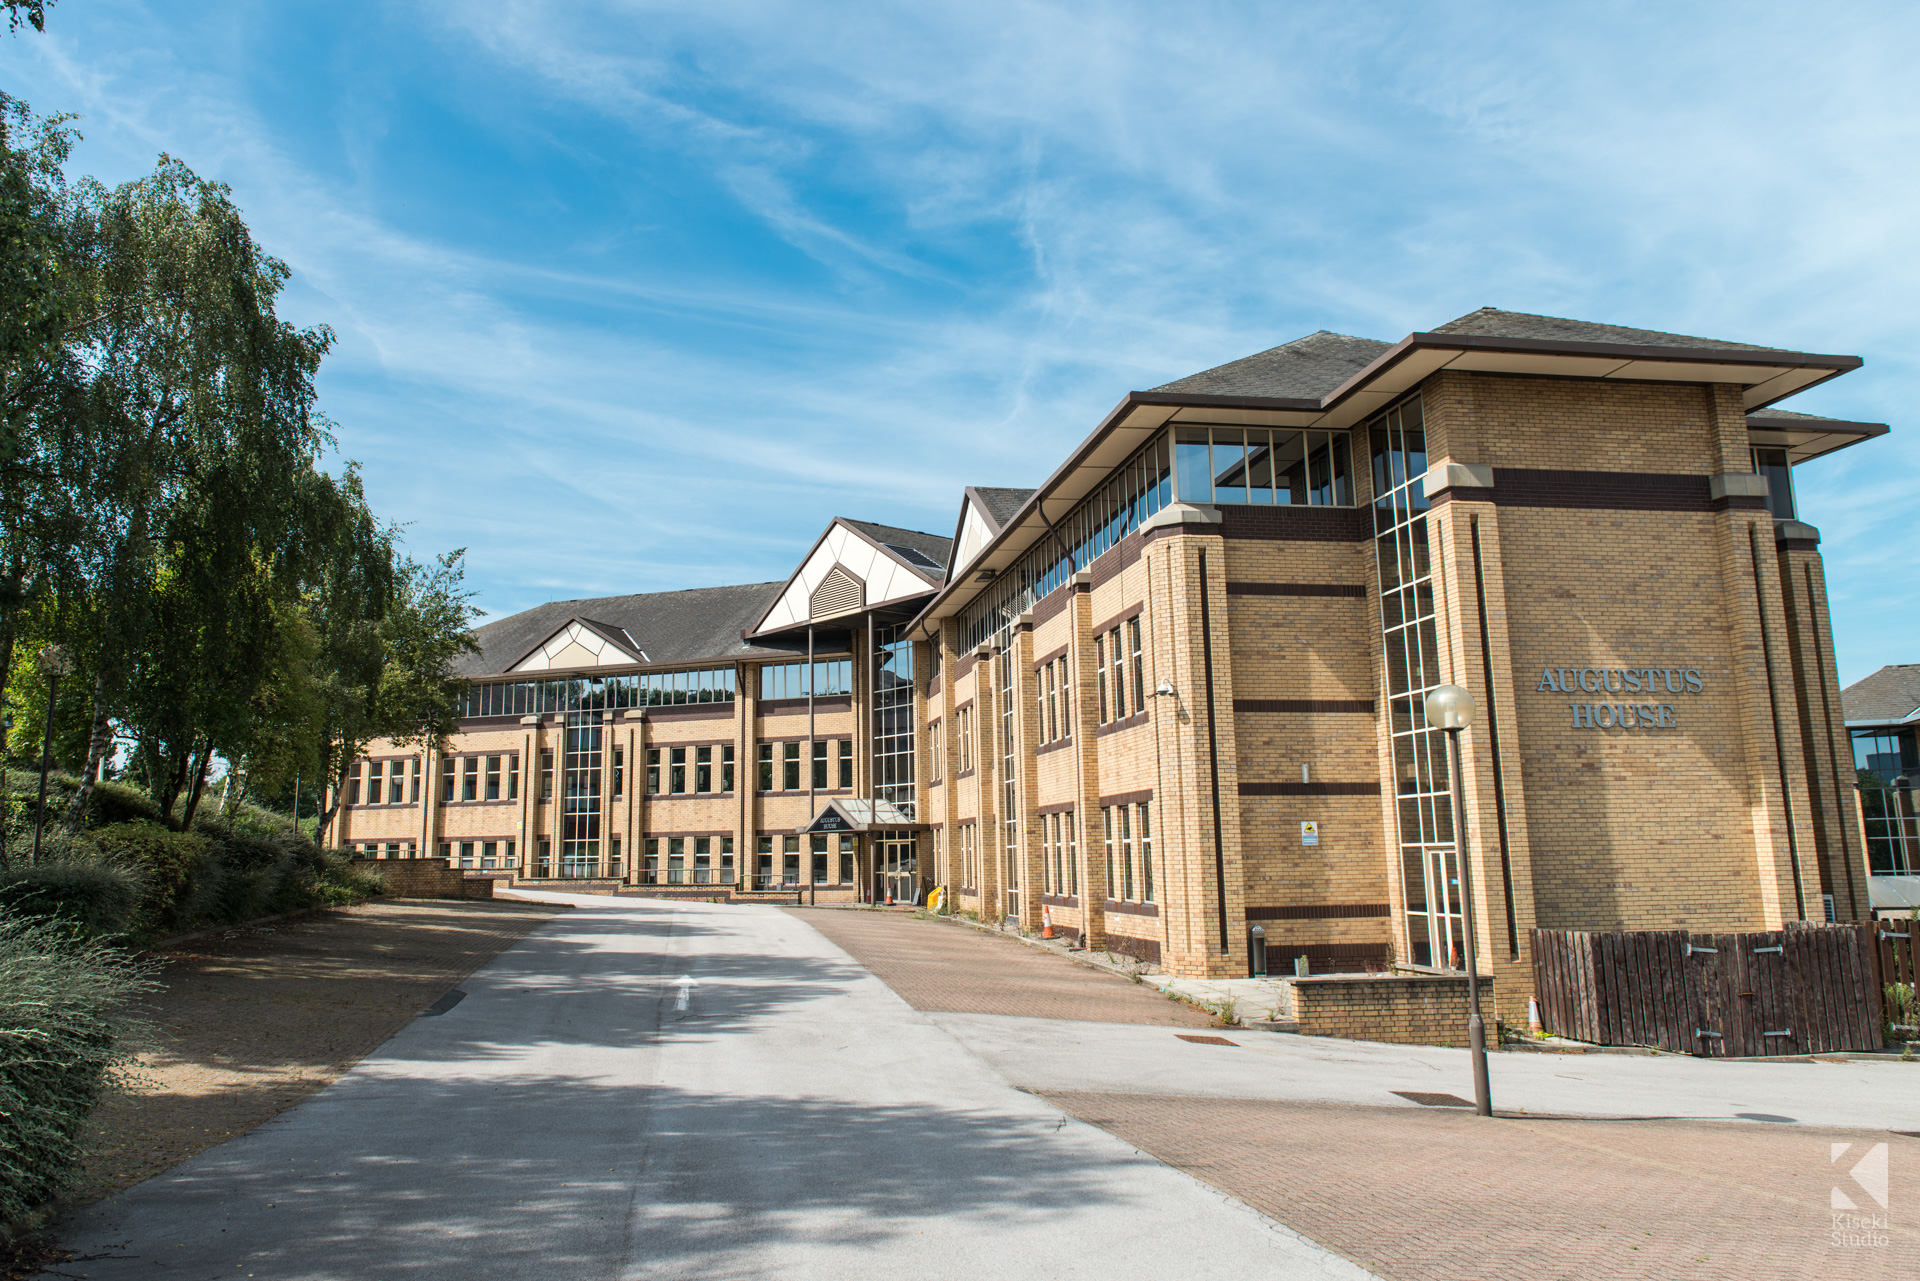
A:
971, 536
858, 815
581, 642
846, 573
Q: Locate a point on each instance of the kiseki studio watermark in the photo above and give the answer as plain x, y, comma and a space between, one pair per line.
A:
1859, 1201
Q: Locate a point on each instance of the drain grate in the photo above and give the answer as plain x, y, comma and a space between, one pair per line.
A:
1425, 1099
1206, 1040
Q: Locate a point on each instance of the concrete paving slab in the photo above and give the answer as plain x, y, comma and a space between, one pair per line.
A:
647, 1088
1047, 1055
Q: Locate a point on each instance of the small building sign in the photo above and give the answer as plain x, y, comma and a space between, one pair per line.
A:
1309, 832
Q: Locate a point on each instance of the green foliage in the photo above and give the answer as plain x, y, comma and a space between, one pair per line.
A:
92, 896
172, 869
65, 1040
1902, 1011
31, 12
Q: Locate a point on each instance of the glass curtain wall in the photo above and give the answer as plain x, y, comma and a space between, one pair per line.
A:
580, 812
635, 689
893, 729
1422, 779
1881, 758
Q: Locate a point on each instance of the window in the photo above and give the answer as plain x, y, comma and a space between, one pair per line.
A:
763, 864
1049, 883
676, 770
507, 858
789, 680
726, 768
1139, 666
1145, 837
513, 776
653, 771
619, 772
1106, 823
846, 762
466, 853
676, 860
546, 773
393, 849
1126, 853
726, 860
820, 766
846, 860
599, 693
965, 718
1100, 676
489, 852
937, 750
543, 858
396, 783
892, 741
1050, 713
446, 778
613, 857
373, 782
703, 769
446, 852
766, 767
493, 778
1265, 468
1073, 862
413, 780
1773, 464
819, 860
703, 860
580, 807
1881, 758
790, 767
790, 860
650, 863
1119, 658
353, 784
470, 778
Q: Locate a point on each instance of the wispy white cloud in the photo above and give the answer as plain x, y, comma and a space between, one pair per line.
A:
638, 294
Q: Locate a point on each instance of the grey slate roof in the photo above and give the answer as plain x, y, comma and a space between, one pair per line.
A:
1494, 323
670, 627
1890, 694
1304, 369
909, 542
1312, 367
1002, 503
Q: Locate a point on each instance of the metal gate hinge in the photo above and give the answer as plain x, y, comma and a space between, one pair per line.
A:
1691, 949
1700, 1032
1782, 1032
1782, 950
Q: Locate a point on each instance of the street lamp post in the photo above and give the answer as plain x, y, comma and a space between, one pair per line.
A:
54, 663
1450, 708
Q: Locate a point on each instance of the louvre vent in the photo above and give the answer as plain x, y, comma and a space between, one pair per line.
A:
838, 593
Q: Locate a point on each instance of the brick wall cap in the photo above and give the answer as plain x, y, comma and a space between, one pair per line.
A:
1182, 514
1317, 979
1797, 530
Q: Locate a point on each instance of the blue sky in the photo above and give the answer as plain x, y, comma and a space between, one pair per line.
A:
637, 296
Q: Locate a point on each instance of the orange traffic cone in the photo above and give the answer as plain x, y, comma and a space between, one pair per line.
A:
1046, 922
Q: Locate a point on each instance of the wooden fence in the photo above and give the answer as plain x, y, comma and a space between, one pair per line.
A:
1811, 989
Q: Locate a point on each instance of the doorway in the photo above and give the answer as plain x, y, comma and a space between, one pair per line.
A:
896, 868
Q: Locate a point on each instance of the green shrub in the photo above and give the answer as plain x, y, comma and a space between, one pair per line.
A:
92, 896
168, 863
65, 1040
119, 803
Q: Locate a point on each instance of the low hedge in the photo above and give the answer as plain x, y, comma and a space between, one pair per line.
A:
65, 1040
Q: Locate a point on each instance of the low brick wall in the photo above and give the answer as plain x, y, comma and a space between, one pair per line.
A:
425, 878
1410, 1009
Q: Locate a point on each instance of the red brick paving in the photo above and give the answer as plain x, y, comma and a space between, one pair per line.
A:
945, 967
1436, 1194
253, 1021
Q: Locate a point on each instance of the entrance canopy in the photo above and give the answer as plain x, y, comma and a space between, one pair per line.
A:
860, 816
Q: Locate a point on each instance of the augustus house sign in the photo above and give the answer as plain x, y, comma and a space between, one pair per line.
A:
1643, 682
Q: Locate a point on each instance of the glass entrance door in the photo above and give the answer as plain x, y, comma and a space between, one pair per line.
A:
896, 866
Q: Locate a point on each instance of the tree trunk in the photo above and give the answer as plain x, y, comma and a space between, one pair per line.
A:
168, 783
97, 745
199, 787
324, 823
